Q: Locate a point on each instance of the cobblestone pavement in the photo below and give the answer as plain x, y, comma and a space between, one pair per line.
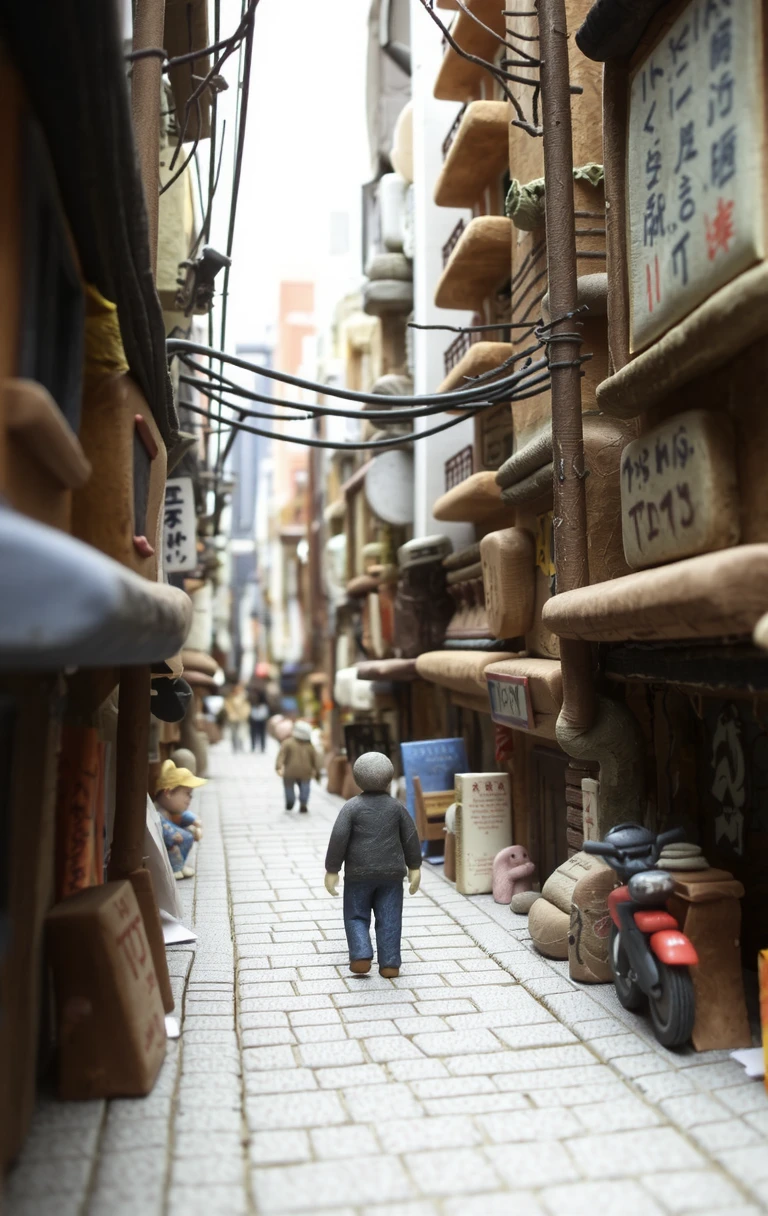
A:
482, 1082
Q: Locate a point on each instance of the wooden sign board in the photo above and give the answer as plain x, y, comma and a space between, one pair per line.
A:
510, 700
435, 762
679, 490
179, 526
110, 1015
694, 162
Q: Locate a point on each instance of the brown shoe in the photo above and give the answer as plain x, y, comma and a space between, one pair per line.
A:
360, 966
389, 973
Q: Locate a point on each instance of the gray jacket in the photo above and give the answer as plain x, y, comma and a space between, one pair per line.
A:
375, 838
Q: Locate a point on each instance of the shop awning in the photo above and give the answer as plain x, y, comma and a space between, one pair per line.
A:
713, 595
64, 604
394, 670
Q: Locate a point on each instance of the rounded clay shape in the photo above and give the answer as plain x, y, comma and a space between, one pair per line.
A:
373, 772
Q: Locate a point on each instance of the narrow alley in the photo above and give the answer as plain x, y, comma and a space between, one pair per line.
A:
482, 1081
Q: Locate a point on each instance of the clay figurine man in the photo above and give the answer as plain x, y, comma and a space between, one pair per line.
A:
376, 840
181, 827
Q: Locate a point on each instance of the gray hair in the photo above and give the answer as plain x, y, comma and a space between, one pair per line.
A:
373, 772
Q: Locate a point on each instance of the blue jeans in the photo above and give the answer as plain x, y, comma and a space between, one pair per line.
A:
290, 793
385, 900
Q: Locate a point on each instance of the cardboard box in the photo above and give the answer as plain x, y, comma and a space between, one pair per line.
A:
109, 1011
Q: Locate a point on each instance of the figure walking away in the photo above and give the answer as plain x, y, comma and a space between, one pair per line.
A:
297, 763
237, 710
258, 721
376, 841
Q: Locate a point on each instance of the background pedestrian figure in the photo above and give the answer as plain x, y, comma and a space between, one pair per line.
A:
237, 709
297, 763
375, 839
258, 720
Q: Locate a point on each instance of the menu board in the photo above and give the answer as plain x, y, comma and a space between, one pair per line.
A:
694, 162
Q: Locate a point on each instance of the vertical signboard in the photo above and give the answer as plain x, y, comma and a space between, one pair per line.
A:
694, 160
179, 526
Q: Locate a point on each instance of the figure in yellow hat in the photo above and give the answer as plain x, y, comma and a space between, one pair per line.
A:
181, 828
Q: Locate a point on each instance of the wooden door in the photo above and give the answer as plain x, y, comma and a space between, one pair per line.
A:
549, 843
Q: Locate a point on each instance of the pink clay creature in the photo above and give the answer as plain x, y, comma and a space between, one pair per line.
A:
513, 873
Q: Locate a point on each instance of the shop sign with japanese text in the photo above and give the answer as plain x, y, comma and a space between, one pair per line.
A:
179, 526
694, 162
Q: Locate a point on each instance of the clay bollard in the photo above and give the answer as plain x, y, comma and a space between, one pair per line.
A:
590, 928
549, 920
548, 927
513, 873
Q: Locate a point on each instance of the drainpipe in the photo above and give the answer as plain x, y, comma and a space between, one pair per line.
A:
588, 728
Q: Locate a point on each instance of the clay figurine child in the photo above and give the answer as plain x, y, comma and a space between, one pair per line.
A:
297, 763
181, 827
375, 839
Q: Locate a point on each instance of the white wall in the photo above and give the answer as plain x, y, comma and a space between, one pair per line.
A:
432, 227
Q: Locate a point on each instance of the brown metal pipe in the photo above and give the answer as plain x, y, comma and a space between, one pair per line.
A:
570, 506
146, 86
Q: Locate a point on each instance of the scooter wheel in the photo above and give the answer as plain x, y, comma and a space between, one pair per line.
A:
628, 990
674, 1011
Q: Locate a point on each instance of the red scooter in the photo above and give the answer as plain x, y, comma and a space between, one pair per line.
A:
649, 954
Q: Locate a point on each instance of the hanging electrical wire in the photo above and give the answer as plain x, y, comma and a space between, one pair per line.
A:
448, 400
396, 441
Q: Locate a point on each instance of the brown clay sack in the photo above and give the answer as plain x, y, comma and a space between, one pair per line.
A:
590, 928
549, 927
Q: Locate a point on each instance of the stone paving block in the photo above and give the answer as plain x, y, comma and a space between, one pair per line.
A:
692, 1191
744, 1099
689, 1110
539, 1058
644, 1064
374, 1103
423, 1023
660, 1085
414, 1207
279, 1081
361, 1074
198, 1118
542, 1034
626, 1112
759, 1120
42, 1180
748, 1164
284, 1110
29, 1205
513, 999
457, 1042
369, 1013
208, 1169
315, 1017
279, 1148
324, 1033
439, 1008
587, 1198
208, 1201
281, 1056
326, 1055
616, 1154
324, 1185
200, 1144
416, 1070
476, 1104
522, 1203
427, 1133
387, 1048
533, 1164
735, 1133
513, 1127
349, 1140
56, 1143
553, 1078
268, 1037
128, 1171
363, 997
452, 1172
479, 979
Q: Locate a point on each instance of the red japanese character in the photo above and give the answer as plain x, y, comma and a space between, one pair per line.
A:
720, 230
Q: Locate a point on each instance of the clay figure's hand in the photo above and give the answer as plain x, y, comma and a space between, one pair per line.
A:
279, 772
332, 883
197, 831
414, 878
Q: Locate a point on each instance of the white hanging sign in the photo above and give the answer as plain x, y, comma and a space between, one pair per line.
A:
694, 162
179, 526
